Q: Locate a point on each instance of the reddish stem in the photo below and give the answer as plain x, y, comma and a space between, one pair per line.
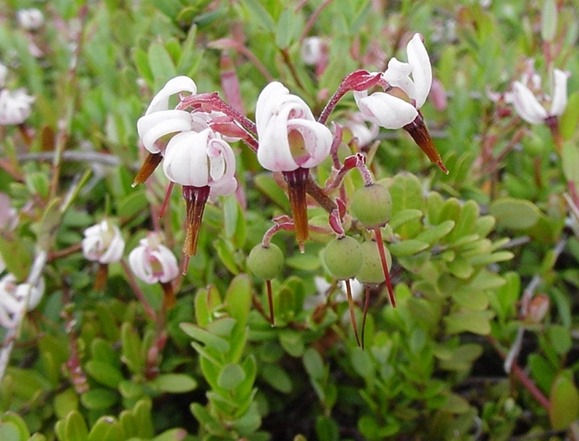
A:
380, 244
352, 311
270, 301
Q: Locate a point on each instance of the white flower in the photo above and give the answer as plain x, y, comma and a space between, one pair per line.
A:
358, 125
16, 299
398, 106
30, 19
159, 121
323, 288
528, 106
153, 262
312, 51
201, 159
289, 135
103, 243
15, 106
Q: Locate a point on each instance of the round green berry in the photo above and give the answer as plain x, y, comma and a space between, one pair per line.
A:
371, 271
372, 205
343, 257
265, 262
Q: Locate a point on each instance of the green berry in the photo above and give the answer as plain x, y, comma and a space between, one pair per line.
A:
372, 205
343, 257
265, 262
371, 270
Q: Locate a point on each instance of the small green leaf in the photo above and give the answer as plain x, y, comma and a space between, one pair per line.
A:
266, 184
104, 373
160, 63
238, 298
407, 247
106, 428
231, 376
314, 364
399, 218
175, 383
65, 402
564, 402
12, 425
75, 427
97, 399
560, 338
277, 378
514, 213
570, 119
549, 20
362, 363
433, 234
326, 429
210, 340
292, 342
285, 29
477, 322
131, 348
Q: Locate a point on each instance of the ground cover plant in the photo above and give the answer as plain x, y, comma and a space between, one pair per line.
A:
316, 220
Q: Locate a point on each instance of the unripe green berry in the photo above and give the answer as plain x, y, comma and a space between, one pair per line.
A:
372, 205
371, 271
265, 262
343, 257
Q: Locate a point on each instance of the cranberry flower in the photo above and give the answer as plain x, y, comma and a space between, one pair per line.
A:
160, 123
398, 105
30, 19
290, 141
528, 106
152, 261
16, 299
15, 106
204, 164
103, 243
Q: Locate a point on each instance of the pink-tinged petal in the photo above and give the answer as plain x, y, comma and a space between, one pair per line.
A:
559, 101
156, 125
398, 75
387, 110
222, 160
185, 161
317, 141
168, 262
526, 105
421, 69
223, 187
174, 86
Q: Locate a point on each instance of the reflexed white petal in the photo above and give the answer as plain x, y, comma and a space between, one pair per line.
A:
223, 187
317, 140
398, 75
268, 101
559, 101
274, 152
216, 167
387, 110
154, 126
174, 86
138, 261
114, 251
526, 105
170, 268
103, 242
421, 69
185, 161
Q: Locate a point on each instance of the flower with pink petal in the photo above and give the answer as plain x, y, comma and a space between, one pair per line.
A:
152, 261
103, 243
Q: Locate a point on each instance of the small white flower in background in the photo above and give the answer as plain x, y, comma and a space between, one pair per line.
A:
30, 19
103, 243
15, 106
17, 298
160, 122
313, 50
289, 135
152, 261
399, 104
362, 129
201, 159
527, 104
323, 287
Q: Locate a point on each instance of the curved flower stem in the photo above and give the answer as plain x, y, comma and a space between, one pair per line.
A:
149, 311
380, 244
289, 63
315, 191
366, 307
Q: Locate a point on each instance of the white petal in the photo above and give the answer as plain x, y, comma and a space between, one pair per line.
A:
170, 268
317, 139
185, 161
387, 110
559, 101
154, 126
223, 187
138, 261
421, 69
274, 152
526, 105
398, 75
267, 101
174, 86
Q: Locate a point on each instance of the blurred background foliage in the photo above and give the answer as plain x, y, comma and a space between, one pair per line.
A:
467, 247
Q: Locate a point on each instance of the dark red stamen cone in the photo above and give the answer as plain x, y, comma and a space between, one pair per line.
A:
296, 181
417, 129
195, 198
152, 160
169, 297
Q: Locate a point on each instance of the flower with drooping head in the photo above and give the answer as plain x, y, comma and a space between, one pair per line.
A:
290, 141
30, 19
406, 87
152, 261
528, 106
103, 243
17, 298
160, 123
362, 129
204, 164
15, 106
